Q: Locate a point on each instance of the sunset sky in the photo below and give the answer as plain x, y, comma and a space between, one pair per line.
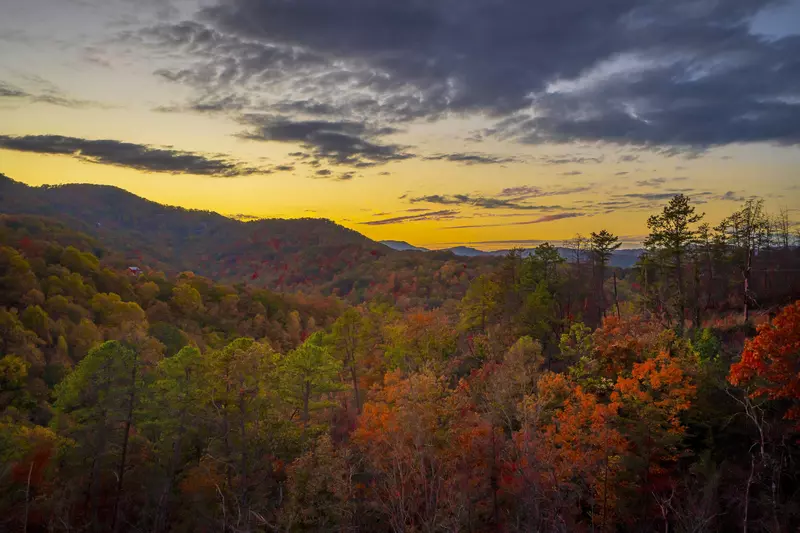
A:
438, 122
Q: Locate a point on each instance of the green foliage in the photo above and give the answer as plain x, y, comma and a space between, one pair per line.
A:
13, 371
308, 372
479, 304
602, 245
576, 343
170, 336
96, 387
707, 346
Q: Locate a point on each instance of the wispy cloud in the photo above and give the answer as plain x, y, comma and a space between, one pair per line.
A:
731, 196
652, 182
472, 159
478, 202
137, 156
540, 220
445, 214
650, 196
571, 160
49, 95
529, 191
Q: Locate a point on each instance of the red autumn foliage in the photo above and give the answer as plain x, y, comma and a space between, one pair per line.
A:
770, 363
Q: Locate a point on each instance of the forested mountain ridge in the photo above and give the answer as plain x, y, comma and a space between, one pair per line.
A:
309, 255
174, 237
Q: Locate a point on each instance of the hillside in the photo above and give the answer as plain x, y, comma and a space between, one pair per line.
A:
312, 255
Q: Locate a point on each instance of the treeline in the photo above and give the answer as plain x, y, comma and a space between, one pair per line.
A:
554, 396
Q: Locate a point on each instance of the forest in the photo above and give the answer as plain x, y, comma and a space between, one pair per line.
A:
400, 392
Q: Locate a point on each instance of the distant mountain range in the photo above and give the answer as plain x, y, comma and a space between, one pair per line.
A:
621, 258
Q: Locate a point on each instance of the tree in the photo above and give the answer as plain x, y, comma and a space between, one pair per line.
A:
36, 319
307, 372
416, 438
320, 489
16, 276
769, 364
240, 383
121, 320
187, 299
346, 336
576, 343
479, 303
579, 245
672, 235
652, 399
603, 245
98, 402
542, 265
174, 410
744, 232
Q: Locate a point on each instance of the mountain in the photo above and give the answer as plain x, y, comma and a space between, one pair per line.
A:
466, 251
310, 255
403, 246
621, 258
178, 239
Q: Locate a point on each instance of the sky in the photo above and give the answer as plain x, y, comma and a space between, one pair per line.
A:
439, 122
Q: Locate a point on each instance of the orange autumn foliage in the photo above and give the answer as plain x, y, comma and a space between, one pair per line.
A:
569, 452
619, 343
658, 391
770, 363
407, 435
661, 382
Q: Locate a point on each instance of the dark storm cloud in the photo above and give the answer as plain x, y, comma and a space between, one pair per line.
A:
458, 56
472, 159
689, 74
339, 142
123, 154
445, 214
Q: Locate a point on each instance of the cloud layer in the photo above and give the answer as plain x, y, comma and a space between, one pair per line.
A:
338, 142
124, 154
685, 74
50, 96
